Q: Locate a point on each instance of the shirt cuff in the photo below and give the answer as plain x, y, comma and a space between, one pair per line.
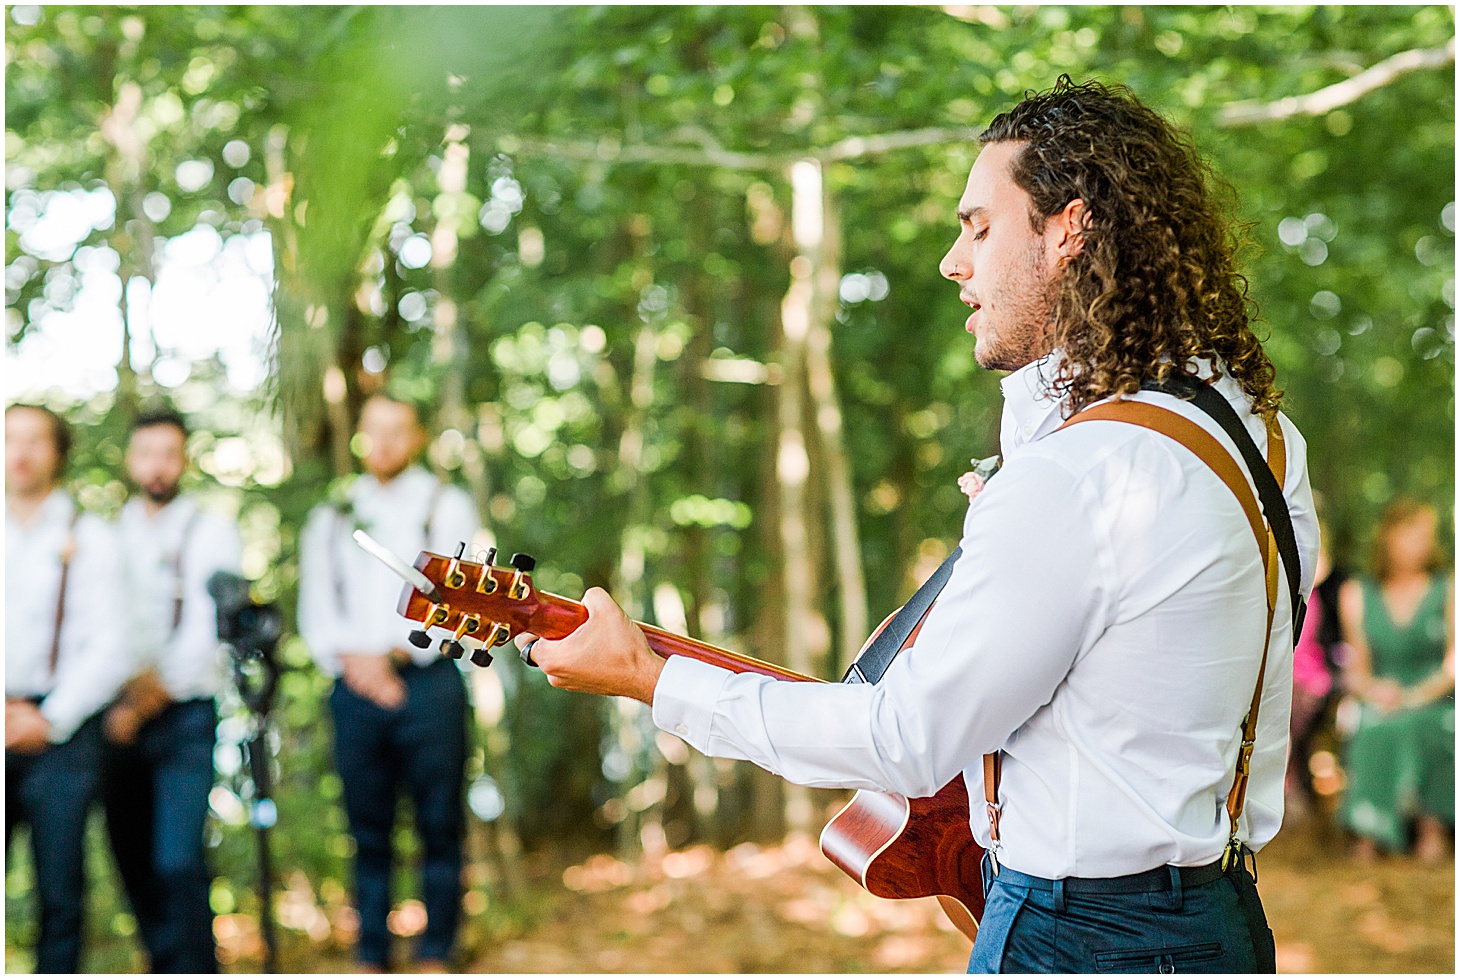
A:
685, 698
64, 722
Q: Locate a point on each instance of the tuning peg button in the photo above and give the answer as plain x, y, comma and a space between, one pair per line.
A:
523, 562
482, 657
419, 638
452, 648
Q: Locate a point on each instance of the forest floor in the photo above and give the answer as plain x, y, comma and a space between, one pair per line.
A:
785, 909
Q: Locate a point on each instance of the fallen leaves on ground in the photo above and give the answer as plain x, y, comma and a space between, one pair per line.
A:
786, 909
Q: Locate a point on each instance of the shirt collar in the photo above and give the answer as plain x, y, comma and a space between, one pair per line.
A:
55, 511
174, 510
1030, 410
368, 485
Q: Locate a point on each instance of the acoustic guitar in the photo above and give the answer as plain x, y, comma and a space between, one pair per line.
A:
893, 846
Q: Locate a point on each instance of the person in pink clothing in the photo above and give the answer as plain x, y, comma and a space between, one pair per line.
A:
1312, 683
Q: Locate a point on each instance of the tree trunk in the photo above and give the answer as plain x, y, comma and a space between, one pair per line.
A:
628, 715
793, 463
845, 541
134, 235
450, 349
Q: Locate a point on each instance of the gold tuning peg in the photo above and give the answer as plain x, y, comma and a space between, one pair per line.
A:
454, 576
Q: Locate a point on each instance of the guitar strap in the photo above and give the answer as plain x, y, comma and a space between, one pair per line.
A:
1267, 477
877, 657
1210, 451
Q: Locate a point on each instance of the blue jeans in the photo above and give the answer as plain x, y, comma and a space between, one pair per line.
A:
155, 792
420, 747
52, 791
1151, 922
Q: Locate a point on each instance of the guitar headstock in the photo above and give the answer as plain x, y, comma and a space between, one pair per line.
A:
480, 604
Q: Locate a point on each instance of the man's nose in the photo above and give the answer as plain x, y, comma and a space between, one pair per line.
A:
954, 266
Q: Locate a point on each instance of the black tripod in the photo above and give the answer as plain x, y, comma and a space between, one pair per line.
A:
251, 631
256, 679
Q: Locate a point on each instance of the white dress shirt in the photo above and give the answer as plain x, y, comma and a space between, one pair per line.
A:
347, 599
186, 657
95, 657
1103, 627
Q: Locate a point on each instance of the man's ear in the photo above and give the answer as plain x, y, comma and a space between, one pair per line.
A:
1069, 227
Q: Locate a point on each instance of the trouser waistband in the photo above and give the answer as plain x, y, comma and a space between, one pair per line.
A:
1149, 881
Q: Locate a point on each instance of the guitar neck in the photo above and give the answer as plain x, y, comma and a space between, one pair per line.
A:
557, 616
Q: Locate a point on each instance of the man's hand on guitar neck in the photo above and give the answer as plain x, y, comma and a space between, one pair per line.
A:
606, 655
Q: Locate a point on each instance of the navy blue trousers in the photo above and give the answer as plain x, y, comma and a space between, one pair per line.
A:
421, 747
52, 792
1033, 925
155, 793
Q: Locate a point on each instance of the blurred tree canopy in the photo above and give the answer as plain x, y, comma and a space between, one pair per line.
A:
668, 276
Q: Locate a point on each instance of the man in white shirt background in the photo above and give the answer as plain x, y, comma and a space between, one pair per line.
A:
158, 763
66, 655
400, 712
1103, 628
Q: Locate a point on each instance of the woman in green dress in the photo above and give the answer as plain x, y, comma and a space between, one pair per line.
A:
1400, 626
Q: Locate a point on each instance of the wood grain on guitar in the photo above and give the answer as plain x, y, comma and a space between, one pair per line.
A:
893, 846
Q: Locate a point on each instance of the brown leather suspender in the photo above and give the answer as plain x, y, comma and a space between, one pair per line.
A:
1208, 450
68, 551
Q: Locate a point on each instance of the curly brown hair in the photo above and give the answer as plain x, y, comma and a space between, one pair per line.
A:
1156, 283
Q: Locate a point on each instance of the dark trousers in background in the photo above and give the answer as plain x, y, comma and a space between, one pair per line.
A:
52, 792
1148, 922
421, 747
155, 792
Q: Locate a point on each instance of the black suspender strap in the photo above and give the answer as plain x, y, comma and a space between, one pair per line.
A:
1274, 505
177, 573
342, 534
431, 515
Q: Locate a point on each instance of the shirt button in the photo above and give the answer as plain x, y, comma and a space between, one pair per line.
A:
681, 730
1026, 430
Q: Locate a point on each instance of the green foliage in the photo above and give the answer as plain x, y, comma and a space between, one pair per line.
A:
602, 342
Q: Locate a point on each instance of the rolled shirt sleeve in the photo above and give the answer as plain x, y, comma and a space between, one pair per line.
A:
991, 653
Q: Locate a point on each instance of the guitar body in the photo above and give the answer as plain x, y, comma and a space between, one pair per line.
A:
897, 847
893, 846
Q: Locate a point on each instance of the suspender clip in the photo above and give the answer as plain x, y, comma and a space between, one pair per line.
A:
994, 808
1232, 855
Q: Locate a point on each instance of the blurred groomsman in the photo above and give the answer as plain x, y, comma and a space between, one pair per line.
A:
66, 655
158, 762
400, 713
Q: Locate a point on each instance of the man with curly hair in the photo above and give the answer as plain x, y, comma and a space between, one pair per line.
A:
1111, 613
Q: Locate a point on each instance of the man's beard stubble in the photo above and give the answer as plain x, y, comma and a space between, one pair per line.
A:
1029, 329
160, 493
